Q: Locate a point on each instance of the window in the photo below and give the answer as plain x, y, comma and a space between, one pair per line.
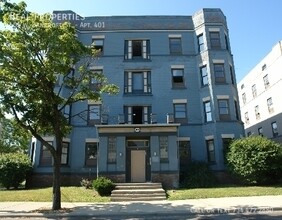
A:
112, 151
266, 81
204, 75
260, 131
137, 49
180, 114
219, 73
184, 154
270, 105
263, 67
163, 140
274, 129
226, 42
67, 112
254, 90
208, 112
177, 78
244, 98
215, 40
95, 84
257, 112
65, 153
98, 45
249, 133
94, 114
223, 107
45, 156
201, 45
247, 119
175, 46
225, 146
137, 82
210, 151
232, 75
237, 114
91, 150
137, 114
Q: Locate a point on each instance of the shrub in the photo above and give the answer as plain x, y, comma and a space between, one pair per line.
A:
198, 175
86, 183
13, 169
103, 186
256, 160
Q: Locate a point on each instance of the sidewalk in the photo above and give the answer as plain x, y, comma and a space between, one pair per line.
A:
257, 204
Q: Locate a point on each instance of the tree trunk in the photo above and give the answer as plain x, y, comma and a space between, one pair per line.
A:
56, 185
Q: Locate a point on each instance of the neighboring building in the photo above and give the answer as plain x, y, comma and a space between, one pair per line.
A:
178, 100
260, 92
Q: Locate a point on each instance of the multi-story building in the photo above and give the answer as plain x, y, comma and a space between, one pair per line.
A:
178, 99
259, 92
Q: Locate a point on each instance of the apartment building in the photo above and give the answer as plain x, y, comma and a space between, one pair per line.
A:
260, 92
178, 100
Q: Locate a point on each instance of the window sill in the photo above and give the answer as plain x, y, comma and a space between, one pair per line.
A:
137, 60
137, 94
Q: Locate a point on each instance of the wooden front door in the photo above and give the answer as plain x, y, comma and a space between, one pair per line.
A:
138, 166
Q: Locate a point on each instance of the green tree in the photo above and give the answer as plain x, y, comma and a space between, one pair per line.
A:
256, 160
13, 138
34, 53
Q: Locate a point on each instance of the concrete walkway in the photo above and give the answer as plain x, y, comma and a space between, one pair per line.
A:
257, 204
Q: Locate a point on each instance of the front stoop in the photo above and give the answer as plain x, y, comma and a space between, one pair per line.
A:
138, 192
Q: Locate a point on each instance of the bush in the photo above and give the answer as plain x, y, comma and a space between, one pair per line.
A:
14, 168
198, 175
86, 183
103, 186
256, 160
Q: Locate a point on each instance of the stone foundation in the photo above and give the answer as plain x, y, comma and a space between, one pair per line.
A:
168, 180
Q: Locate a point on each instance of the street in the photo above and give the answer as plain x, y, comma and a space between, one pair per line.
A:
169, 216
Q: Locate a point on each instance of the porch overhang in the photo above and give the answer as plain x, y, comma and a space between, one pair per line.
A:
137, 128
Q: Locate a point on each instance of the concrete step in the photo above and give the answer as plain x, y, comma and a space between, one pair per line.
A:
138, 192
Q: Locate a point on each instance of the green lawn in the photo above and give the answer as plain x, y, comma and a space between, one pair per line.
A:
68, 194
223, 192
80, 194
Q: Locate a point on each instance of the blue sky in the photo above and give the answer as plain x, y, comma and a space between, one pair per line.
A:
254, 25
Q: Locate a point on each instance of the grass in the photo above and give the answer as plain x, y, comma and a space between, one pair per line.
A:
80, 194
68, 194
218, 192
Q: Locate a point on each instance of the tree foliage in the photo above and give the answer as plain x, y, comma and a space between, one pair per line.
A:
256, 160
13, 138
14, 168
44, 69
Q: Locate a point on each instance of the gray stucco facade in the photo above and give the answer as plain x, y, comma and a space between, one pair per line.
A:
178, 99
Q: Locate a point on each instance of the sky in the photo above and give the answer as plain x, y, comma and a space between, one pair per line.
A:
254, 25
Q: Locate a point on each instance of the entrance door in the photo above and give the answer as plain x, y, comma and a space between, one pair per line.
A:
138, 166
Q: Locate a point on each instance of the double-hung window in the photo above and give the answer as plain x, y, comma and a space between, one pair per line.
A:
98, 45
270, 105
257, 112
215, 40
266, 81
208, 112
254, 90
137, 82
180, 112
210, 151
175, 46
201, 44
137, 49
274, 129
223, 106
177, 78
91, 149
112, 150
219, 73
204, 75
163, 140
94, 114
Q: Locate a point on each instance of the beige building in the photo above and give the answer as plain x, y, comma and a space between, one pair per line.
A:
260, 96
